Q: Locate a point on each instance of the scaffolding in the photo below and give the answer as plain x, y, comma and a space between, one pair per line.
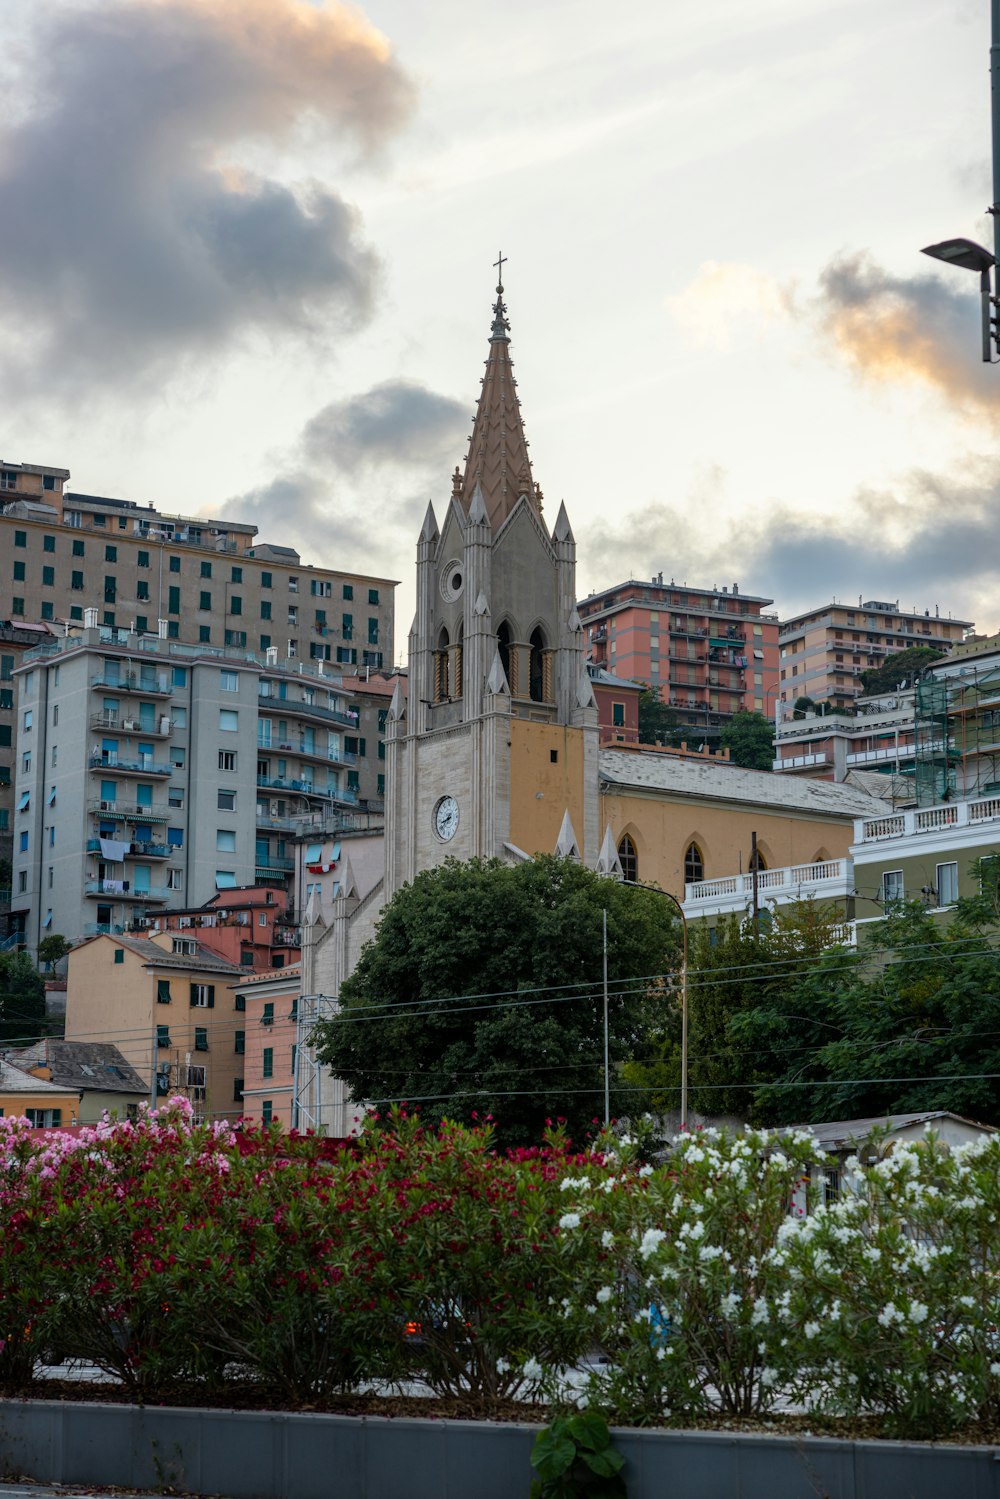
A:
957, 735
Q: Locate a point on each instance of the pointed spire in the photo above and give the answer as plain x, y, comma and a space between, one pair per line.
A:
566, 844
477, 506
585, 691
497, 461
574, 621
397, 705
563, 530
429, 529
496, 682
314, 914
348, 884
608, 862
482, 608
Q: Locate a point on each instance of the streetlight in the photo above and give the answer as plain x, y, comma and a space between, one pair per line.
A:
965, 252
972, 257
638, 885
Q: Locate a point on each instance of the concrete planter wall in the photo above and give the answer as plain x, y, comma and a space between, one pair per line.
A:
271, 1455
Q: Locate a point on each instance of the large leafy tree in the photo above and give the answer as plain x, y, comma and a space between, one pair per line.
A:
482, 993
658, 723
901, 666
22, 999
749, 738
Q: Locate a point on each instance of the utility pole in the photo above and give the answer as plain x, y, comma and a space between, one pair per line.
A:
607, 1080
753, 872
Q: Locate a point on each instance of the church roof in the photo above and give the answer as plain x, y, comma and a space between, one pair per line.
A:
498, 459
673, 776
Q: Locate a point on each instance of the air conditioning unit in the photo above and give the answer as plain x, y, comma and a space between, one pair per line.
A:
196, 1077
109, 806
130, 725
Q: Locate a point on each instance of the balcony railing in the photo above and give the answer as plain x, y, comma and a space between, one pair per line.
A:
122, 723
122, 889
733, 892
132, 811
301, 747
135, 850
133, 683
928, 820
121, 766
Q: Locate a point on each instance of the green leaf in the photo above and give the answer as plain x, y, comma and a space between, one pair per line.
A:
552, 1453
606, 1463
590, 1431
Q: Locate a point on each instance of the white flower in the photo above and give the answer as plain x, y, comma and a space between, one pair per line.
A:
605, 1293
888, 1315
768, 1378
607, 1239
569, 1220
651, 1241
995, 1369
729, 1305
811, 1329
760, 1311
502, 1366
918, 1312
531, 1369
645, 1171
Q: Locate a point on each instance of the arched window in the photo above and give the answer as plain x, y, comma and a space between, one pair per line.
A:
757, 862
694, 865
508, 655
441, 668
628, 859
536, 666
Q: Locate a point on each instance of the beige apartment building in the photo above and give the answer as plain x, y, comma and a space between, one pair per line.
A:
169, 1005
825, 650
209, 580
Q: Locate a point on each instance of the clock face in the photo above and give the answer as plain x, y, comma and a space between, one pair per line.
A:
446, 818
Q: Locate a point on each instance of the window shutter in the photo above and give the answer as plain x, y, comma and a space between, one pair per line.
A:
194, 996
163, 991
211, 996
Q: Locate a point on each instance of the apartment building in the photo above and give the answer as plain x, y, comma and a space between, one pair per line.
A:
711, 652
825, 650
15, 639
267, 1048
210, 580
880, 735
169, 1005
152, 774
255, 928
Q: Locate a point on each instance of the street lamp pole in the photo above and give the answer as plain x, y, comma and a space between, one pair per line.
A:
637, 885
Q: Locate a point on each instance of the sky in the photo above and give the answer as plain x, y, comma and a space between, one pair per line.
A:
246, 269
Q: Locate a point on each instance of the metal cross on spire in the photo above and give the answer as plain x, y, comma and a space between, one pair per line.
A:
499, 263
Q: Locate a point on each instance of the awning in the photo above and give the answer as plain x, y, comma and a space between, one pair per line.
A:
25, 798
52, 798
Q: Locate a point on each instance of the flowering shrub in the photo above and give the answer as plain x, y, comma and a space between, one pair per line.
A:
165, 1252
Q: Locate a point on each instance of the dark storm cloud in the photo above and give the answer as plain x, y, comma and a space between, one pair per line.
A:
136, 241
398, 422
922, 329
355, 488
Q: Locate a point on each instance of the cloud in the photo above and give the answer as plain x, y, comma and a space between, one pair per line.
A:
140, 236
915, 329
705, 309
355, 485
930, 542
398, 422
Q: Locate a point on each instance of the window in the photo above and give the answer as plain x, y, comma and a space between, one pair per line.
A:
347, 626
229, 720
348, 591
946, 883
265, 580
177, 756
173, 600
320, 589
19, 572
48, 577
240, 1001
29, 719
110, 554
225, 840
162, 991
268, 1068
180, 680
320, 619
241, 1043
175, 879
373, 595
892, 886
206, 569
235, 637
236, 604
229, 681
76, 581
268, 1016
175, 837
227, 800
618, 715
141, 561
225, 879
163, 1034
694, 865
293, 614
205, 602
373, 632
628, 858
175, 564
237, 575
24, 842
266, 1110
48, 610
202, 996
293, 585
20, 538
227, 759
265, 608
381, 785
16, 603
200, 1038
204, 634
48, 543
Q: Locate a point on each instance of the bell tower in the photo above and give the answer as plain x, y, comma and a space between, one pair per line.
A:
496, 744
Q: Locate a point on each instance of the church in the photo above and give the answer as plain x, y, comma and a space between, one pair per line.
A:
494, 750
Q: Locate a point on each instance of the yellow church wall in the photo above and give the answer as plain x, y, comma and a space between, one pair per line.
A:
543, 789
662, 828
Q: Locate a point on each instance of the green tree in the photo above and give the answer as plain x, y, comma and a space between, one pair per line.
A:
22, 999
901, 666
749, 738
658, 724
52, 949
481, 993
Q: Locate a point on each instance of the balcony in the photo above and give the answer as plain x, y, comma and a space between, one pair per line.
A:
274, 868
953, 820
284, 707
132, 811
141, 767
136, 850
102, 929
302, 748
831, 880
120, 723
125, 890
134, 685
